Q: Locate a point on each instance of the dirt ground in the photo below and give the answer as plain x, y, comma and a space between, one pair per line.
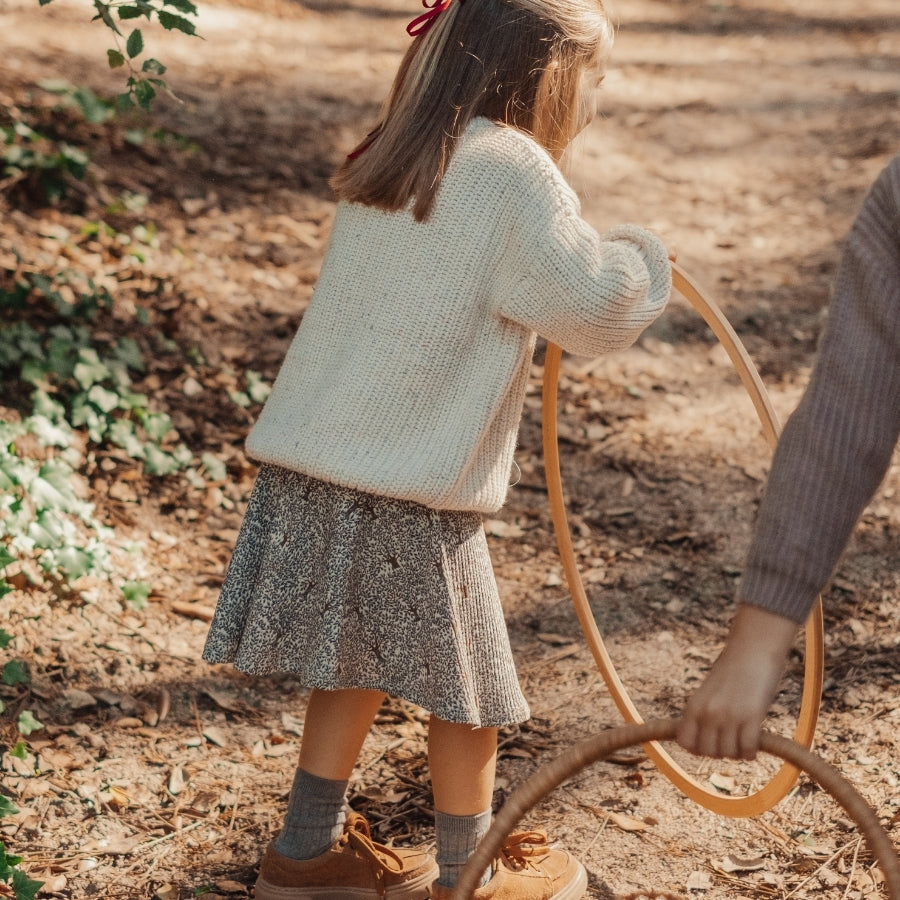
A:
745, 132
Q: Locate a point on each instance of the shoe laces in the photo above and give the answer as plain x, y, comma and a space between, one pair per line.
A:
525, 848
358, 835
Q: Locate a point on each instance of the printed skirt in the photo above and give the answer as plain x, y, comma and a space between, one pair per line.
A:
351, 590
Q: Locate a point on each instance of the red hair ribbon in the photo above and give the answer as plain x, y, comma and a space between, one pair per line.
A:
421, 24
418, 26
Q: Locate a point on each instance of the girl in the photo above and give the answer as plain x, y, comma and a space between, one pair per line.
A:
362, 564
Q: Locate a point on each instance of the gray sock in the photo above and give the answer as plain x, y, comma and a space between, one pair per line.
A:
456, 838
315, 816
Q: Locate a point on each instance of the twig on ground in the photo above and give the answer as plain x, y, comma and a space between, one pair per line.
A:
837, 853
852, 868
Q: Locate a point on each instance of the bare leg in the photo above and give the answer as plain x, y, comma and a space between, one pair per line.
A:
463, 761
335, 727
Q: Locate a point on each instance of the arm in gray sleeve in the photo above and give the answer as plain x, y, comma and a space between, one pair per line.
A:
837, 445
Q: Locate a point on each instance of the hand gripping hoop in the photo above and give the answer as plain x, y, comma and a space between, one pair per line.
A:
783, 780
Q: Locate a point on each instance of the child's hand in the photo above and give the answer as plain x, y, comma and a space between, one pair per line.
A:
725, 714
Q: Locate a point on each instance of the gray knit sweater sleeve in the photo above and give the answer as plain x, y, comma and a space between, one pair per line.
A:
837, 445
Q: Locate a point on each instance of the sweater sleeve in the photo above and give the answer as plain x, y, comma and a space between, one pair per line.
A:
837, 445
587, 293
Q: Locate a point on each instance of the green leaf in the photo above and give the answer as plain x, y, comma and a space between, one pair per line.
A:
93, 108
49, 433
6, 558
157, 425
137, 138
45, 495
136, 593
20, 751
135, 43
215, 468
106, 401
158, 462
178, 23
153, 67
34, 371
7, 862
104, 14
115, 58
74, 562
5, 639
131, 12
83, 414
14, 673
129, 352
26, 888
258, 389
122, 434
90, 369
7, 808
144, 92
184, 6
28, 723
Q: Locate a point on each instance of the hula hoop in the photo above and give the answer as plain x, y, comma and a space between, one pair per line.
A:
597, 747
786, 776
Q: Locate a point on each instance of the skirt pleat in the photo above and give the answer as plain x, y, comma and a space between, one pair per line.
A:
350, 590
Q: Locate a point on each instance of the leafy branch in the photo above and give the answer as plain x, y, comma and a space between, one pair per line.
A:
144, 77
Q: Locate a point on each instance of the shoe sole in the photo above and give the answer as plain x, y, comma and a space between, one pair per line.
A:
576, 888
418, 888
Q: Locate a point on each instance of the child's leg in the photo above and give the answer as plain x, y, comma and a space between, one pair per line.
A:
463, 762
335, 727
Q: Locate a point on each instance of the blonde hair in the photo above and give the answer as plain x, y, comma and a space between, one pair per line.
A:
517, 62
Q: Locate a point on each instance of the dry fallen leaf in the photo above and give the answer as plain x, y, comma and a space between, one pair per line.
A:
224, 701
699, 881
548, 637
176, 781
722, 782
215, 735
292, 724
76, 699
627, 823
733, 863
501, 529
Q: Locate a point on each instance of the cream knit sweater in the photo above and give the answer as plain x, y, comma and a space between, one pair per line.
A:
407, 375
837, 445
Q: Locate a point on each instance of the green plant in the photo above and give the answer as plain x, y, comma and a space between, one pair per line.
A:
256, 391
80, 379
144, 76
28, 155
42, 145
42, 518
24, 888
13, 673
45, 141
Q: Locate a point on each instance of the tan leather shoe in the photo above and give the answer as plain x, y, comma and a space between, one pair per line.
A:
353, 868
528, 868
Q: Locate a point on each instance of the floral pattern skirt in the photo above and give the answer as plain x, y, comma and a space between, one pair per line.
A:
351, 590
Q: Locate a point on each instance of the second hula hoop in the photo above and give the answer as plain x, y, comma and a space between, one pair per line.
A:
785, 777
599, 746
